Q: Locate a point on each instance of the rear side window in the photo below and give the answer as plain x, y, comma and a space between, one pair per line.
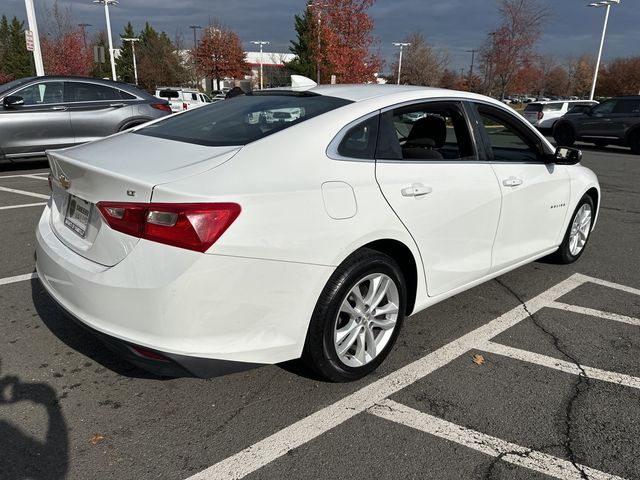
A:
553, 107
89, 92
360, 141
627, 106
533, 107
194, 97
243, 119
127, 96
168, 94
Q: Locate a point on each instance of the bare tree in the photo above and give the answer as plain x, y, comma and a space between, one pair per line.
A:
513, 44
421, 63
580, 72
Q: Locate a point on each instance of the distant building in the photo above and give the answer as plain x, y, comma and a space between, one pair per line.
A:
274, 69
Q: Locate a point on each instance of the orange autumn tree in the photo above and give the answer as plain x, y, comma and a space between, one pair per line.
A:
346, 39
219, 54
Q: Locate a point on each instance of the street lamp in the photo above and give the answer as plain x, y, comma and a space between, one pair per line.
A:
83, 28
261, 43
473, 57
401, 45
133, 49
195, 47
106, 14
603, 3
319, 5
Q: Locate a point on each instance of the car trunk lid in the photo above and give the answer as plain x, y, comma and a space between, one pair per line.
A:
121, 168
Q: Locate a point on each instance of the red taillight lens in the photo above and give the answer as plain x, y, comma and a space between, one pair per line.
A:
184, 106
162, 106
194, 226
540, 115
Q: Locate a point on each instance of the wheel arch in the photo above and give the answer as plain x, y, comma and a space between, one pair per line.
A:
406, 261
595, 197
635, 130
132, 122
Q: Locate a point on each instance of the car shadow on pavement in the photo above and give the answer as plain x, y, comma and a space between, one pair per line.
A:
80, 339
21, 455
7, 166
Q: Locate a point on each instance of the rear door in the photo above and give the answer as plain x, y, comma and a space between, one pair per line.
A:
96, 110
42, 122
441, 188
597, 123
624, 116
535, 195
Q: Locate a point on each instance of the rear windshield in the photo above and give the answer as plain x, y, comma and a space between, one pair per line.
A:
242, 119
533, 107
168, 94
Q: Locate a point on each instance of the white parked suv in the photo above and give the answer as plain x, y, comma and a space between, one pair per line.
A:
544, 115
181, 98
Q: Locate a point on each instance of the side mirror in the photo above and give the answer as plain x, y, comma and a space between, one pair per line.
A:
13, 101
565, 156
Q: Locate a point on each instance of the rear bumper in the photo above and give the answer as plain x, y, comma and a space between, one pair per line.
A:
186, 305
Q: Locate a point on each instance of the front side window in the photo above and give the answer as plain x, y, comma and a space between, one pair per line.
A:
605, 107
90, 92
509, 142
42, 93
428, 131
243, 119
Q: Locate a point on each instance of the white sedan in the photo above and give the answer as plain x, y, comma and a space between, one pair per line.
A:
209, 243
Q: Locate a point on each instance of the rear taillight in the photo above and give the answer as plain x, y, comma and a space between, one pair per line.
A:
162, 106
194, 226
540, 115
184, 106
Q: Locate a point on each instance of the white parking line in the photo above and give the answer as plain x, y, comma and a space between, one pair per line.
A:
22, 192
36, 176
271, 448
24, 205
23, 175
561, 365
605, 283
595, 313
18, 278
509, 452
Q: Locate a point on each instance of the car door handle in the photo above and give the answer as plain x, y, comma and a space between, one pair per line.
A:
60, 108
512, 182
416, 190
117, 105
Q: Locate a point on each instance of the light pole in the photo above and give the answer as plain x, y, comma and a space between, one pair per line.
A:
318, 5
473, 57
261, 43
604, 3
106, 14
83, 28
133, 50
401, 45
33, 26
195, 47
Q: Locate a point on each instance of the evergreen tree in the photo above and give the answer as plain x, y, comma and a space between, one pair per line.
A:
158, 61
124, 63
304, 46
15, 59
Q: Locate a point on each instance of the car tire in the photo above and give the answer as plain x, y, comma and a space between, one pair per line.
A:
564, 135
634, 142
347, 339
577, 234
600, 144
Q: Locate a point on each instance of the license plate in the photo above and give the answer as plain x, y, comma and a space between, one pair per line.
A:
77, 216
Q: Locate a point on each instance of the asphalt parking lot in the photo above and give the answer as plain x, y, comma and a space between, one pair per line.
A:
533, 375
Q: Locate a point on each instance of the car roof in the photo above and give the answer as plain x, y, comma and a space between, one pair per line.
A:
360, 93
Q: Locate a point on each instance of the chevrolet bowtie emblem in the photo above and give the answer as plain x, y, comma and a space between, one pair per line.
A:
64, 181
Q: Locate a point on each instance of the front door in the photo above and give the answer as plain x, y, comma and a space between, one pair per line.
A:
42, 122
447, 196
535, 195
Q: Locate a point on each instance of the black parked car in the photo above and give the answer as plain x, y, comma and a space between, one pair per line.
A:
613, 122
40, 113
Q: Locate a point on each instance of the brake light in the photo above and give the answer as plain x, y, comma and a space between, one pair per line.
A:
162, 106
540, 115
194, 226
184, 106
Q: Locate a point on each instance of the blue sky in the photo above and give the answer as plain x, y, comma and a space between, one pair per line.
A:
452, 25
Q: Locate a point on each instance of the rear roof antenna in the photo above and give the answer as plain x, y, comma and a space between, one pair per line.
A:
300, 83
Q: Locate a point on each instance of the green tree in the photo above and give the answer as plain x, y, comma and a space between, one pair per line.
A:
15, 59
159, 63
124, 63
305, 45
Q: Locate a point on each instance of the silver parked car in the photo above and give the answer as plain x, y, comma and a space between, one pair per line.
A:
40, 113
